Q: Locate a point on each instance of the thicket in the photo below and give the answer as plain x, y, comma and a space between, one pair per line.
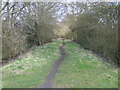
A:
25, 25
95, 26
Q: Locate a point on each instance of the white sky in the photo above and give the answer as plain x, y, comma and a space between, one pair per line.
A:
66, 1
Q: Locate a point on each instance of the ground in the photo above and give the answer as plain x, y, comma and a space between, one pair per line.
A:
83, 69
79, 69
32, 69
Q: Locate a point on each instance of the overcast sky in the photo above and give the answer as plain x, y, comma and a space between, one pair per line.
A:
66, 1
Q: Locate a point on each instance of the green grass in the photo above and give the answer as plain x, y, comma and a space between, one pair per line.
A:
82, 69
31, 70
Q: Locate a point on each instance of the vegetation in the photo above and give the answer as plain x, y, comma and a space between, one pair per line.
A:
31, 25
95, 27
30, 70
82, 69
31, 30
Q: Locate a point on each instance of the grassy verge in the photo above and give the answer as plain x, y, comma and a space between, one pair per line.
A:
82, 69
30, 70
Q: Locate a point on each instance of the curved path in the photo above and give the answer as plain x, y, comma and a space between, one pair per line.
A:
51, 75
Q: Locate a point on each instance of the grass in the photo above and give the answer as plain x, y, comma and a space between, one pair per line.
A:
82, 69
30, 70
0, 79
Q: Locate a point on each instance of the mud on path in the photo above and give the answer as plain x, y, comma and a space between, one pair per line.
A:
51, 75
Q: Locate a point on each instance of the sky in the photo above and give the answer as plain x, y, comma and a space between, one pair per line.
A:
60, 14
65, 1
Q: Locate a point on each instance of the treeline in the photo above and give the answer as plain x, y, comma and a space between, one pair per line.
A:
95, 26
25, 25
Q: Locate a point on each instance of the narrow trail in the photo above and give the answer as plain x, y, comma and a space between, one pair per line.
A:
51, 75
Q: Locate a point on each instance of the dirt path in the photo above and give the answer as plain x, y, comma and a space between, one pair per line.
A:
51, 75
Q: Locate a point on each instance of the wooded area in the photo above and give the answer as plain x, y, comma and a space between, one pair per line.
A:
96, 28
93, 25
25, 25
60, 44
